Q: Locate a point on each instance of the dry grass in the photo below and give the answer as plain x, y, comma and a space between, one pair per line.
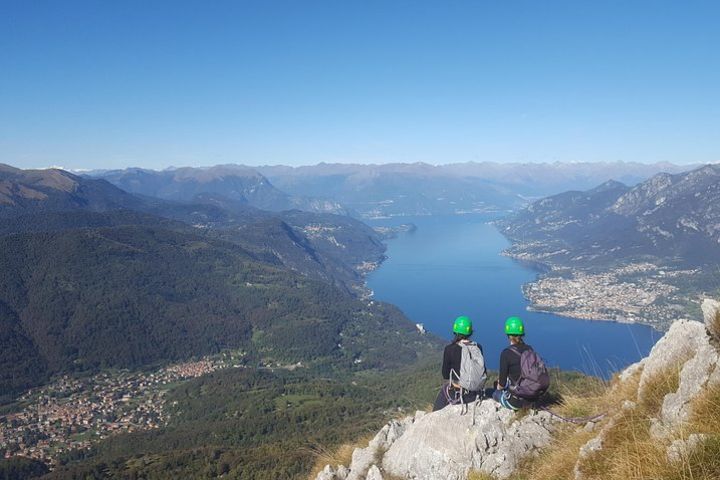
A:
705, 416
714, 325
628, 451
558, 460
479, 476
339, 456
702, 463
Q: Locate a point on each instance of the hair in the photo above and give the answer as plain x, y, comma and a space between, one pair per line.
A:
515, 339
460, 336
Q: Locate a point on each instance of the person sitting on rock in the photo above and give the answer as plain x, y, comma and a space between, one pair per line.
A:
463, 368
523, 377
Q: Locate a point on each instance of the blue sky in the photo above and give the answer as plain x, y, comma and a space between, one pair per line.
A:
109, 84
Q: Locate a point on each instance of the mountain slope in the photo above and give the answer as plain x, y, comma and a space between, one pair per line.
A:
674, 218
132, 295
32, 191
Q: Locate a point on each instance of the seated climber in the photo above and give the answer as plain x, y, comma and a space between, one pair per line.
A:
523, 377
463, 368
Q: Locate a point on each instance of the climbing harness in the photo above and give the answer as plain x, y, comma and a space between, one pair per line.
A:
458, 398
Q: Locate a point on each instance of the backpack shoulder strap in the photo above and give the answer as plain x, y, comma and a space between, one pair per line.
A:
514, 348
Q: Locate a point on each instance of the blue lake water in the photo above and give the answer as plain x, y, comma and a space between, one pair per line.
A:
451, 265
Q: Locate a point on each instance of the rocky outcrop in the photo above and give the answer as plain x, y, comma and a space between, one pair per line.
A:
711, 313
446, 445
689, 350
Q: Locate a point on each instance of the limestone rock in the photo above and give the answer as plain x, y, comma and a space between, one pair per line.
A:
693, 378
679, 449
327, 473
711, 311
446, 445
680, 343
374, 473
592, 445
363, 464
631, 370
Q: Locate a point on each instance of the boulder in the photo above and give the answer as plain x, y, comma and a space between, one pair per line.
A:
374, 473
711, 312
678, 450
447, 445
363, 464
678, 345
631, 370
327, 473
694, 377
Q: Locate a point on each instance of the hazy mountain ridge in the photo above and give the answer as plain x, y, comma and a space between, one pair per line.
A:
421, 189
235, 182
380, 190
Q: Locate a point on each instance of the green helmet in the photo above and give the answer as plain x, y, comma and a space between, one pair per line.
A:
514, 326
462, 325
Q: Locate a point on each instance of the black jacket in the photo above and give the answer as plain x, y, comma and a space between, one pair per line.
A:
451, 359
510, 364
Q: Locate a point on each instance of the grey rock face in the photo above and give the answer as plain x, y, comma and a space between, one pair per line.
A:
679, 344
446, 445
363, 464
374, 473
328, 473
686, 347
694, 377
711, 309
631, 370
679, 449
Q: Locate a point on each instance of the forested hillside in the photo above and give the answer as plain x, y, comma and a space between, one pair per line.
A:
96, 280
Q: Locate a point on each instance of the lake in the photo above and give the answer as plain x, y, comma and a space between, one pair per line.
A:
451, 265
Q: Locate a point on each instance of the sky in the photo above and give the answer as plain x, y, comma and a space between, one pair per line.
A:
111, 84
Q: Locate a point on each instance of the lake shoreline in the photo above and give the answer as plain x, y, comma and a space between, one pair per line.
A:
454, 265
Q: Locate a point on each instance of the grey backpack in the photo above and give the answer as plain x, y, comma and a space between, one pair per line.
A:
472, 367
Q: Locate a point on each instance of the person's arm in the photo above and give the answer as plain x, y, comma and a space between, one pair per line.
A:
504, 368
446, 364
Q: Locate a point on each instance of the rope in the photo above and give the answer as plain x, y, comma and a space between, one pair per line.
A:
575, 420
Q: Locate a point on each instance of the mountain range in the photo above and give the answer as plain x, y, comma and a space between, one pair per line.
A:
236, 183
419, 188
671, 218
379, 190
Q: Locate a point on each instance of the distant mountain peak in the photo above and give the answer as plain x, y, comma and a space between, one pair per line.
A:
607, 186
52, 189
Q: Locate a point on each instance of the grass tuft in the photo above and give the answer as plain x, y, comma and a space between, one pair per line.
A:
705, 416
714, 325
475, 475
334, 457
